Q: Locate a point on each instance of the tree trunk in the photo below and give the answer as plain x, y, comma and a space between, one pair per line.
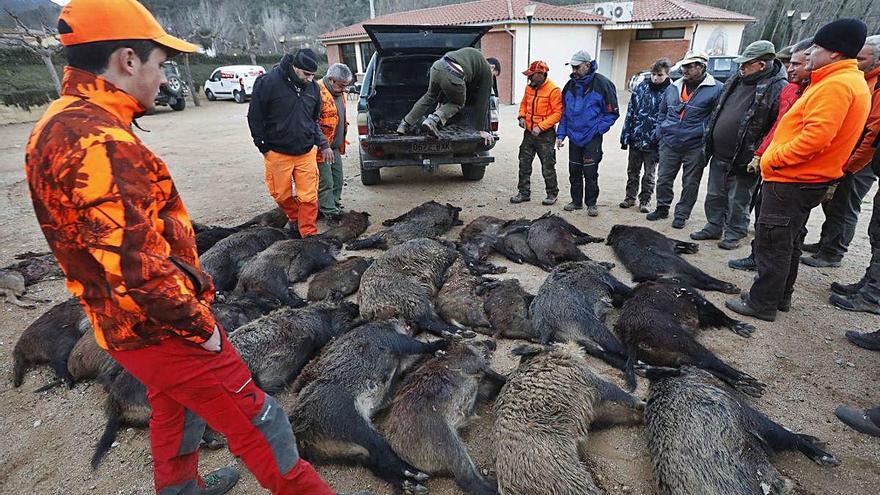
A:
47, 60
253, 58
189, 80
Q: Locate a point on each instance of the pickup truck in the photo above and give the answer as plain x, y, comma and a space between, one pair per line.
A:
397, 76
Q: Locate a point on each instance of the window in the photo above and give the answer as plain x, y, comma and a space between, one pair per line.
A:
348, 56
367, 51
660, 34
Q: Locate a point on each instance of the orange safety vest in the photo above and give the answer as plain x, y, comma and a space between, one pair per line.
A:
330, 118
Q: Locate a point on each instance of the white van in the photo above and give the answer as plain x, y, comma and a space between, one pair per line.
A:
233, 81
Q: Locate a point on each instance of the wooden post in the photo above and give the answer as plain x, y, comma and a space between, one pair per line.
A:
189, 80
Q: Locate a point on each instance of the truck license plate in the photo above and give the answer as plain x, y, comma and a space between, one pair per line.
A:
429, 147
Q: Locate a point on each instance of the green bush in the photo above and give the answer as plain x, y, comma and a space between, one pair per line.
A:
27, 99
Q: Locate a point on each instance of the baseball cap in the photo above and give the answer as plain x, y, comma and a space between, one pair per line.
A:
88, 21
537, 66
580, 57
693, 56
755, 50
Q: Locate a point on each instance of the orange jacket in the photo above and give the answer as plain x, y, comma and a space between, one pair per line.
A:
867, 146
114, 220
330, 118
815, 138
541, 106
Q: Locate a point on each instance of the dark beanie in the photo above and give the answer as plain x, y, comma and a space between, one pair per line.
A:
305, 59
846, 36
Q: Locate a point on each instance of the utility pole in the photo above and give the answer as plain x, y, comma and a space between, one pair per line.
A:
372, 10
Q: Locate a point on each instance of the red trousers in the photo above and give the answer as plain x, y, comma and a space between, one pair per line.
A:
188, 386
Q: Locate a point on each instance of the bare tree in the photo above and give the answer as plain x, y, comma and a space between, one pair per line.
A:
43, 43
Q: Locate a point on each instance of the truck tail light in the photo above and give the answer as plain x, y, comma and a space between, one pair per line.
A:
493, 126
493, 119
362, 129
363, 126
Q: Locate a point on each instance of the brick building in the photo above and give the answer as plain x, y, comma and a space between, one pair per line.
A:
624, 36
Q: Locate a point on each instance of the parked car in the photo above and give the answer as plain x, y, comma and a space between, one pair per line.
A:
721, 68
174, 91
233, 81
396, 76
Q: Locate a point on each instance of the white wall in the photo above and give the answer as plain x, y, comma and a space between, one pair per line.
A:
713, 37
553, 44
619, 42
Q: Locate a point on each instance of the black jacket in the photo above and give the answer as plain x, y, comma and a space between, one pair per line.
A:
756, 122
283, 117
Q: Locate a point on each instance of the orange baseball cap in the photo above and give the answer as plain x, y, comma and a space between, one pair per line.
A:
537, 66
87, 21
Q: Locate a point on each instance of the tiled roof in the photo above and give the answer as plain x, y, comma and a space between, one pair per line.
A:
478, 12
676, 10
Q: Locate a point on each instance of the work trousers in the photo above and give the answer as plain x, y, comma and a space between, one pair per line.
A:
785, 208
286, 173
728, 198
542, 145
583, 171
842, 213
445, 80
691, 163
188, 386
641, 160
330, 185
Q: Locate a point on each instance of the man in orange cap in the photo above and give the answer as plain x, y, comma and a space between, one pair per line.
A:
539, 112
116, 223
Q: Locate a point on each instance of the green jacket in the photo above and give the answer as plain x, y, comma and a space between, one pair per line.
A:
478, 80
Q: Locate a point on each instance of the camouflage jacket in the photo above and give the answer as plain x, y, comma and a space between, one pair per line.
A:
643, 115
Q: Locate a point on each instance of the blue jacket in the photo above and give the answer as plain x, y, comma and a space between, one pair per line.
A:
684, 132
589, 107
643, 115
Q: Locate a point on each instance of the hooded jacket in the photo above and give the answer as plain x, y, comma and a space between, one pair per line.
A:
643, 115
683, 125
283, 115
589, 107
756, 122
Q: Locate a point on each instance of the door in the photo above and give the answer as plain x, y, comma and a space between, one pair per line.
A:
423, 39
213, 82
606, 63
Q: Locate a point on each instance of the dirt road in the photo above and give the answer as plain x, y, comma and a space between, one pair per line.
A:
48, 438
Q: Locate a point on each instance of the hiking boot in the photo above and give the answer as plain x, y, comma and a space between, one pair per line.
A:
784, 304
744, 307
678, 223
520, 198
858, 420
704, 235
573, 206
643, 208
854, 302
848, 289
811, 248
220, 481
549, 200
746, 264
293, 229
627, 203
870, 341
431, 125
819, 261
660, 213
728, 244
593, 211
404, 128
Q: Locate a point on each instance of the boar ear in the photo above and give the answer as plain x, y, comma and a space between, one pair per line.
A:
528, 350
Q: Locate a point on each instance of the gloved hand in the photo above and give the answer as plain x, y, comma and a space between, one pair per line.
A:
624, 146
522, 122
560, 143
754, 165
536, 131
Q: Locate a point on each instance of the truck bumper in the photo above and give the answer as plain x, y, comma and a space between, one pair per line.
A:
428, 162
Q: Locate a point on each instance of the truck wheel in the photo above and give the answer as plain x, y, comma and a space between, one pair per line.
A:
238, 96
370, 177
473, 172
179, 104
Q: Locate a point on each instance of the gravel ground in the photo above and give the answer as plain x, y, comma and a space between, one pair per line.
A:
803, 357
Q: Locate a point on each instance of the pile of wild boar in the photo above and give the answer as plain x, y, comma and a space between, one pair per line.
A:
381, 364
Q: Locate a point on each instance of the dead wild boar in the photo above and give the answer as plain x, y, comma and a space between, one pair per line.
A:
339, 279
543, 417
507, 308
477, 241
349, 227
340, 391
36, 267
434, 402
273, 272
554, 241
658, 326
208, 235
429, 220
513, 242
403, 281
13, 290
571, 305
225, 259
49, 340
650, 255
703, 438
232, 311
457, 300
87, 359
278, 345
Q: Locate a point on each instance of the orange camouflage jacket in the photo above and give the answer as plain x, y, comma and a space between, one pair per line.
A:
330, 118
114, 220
